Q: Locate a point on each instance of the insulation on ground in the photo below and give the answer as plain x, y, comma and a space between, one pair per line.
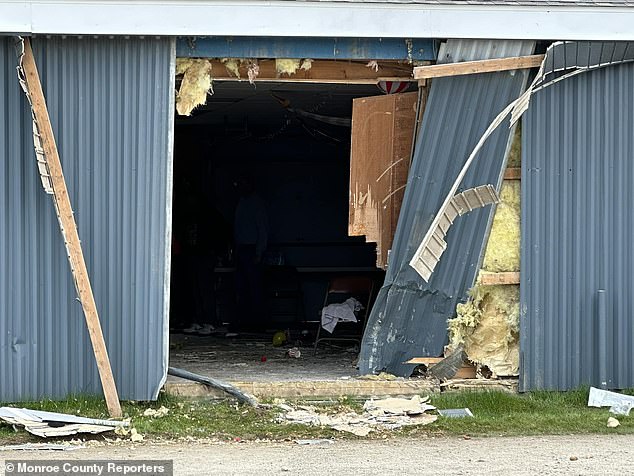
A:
488, 327
195, 85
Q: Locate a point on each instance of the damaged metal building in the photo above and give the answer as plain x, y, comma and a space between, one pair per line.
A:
109, 73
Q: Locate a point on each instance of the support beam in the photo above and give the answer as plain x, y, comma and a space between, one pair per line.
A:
320, 71
68, 227
473, 67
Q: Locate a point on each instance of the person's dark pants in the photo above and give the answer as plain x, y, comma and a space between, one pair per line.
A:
201, 297
249, 289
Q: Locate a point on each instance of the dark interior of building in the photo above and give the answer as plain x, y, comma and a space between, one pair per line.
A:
291, 142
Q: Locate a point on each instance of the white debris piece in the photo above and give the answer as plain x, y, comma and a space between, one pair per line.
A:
385, 414
151, 412
619, 404
613, 422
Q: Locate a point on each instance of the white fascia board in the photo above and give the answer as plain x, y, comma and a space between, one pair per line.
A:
315, 19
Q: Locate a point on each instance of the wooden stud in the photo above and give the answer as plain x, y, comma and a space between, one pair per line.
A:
482, 66
69, 230
491, 279
513, 173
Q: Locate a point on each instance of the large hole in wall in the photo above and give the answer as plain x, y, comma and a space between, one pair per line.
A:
299, 168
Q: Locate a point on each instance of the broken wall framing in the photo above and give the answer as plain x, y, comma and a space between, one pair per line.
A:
409, 318
110, 102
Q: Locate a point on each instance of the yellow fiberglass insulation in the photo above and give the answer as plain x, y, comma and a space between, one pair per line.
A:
286, 66
195, 85
488, 326
503, 249
232, 65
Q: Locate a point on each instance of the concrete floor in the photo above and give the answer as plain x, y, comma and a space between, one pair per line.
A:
241, 359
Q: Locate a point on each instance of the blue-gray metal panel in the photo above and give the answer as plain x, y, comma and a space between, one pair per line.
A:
301, 47
110, 103
410, 316
577, 228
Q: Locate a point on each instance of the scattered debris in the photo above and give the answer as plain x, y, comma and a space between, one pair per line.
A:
232, 65
449, 366
151, 412
49, 424
385, 414
286, 66
294, 353
613, 422
210, 382
42, 446
380, 376
619, 404
135, 436
374, 65
455, 413
306, 64
253, 70
314, 442
195, 85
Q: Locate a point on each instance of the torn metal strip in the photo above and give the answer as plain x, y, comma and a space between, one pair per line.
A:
426, 259
42, 167
578, 57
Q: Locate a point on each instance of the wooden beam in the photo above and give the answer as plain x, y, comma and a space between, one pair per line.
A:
513, 173
69, 229
473, 67
321, 71
491, 279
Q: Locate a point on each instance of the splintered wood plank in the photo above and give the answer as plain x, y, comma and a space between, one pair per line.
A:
481, 66
68, 228
382, 133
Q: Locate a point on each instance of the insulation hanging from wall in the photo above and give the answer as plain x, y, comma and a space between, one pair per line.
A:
195, 85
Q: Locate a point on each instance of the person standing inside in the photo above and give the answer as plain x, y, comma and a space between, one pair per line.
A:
251, 237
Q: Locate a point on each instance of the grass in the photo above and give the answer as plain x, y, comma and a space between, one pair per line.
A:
496, 413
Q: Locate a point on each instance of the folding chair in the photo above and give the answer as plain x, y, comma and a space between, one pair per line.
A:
340, 289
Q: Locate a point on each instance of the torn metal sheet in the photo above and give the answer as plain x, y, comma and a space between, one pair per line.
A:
49, 424
409, 318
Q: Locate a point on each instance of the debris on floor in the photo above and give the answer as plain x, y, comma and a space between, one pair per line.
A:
455, 413
613, 422
384, 414
50, 424
619, 404
42, 447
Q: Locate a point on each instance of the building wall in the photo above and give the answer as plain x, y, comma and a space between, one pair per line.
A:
110, 102
577, 228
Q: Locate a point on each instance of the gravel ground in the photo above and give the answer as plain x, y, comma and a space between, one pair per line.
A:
586, 455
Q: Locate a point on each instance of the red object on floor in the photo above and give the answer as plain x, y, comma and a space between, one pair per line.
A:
263, 358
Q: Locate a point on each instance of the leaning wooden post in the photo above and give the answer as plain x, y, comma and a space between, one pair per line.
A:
50, 169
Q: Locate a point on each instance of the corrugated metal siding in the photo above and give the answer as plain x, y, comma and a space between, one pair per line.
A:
110, 107
410, 316
577, 233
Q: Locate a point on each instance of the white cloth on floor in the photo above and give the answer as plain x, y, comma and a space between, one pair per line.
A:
332, 314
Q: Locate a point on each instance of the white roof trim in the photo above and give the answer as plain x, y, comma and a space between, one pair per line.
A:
312, 19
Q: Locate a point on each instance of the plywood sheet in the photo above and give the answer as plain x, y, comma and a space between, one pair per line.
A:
382, 133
